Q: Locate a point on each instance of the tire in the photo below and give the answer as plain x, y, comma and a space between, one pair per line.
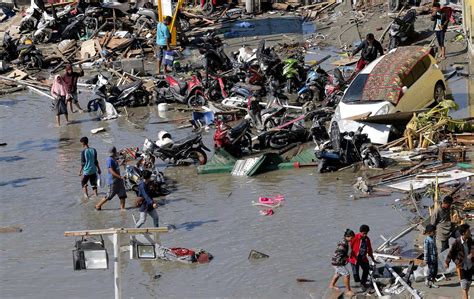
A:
198, 155
246, 142
289, 86
185, 25
269, 123
207, 8
394, 43
335, 135
439, 93
279, 140
322, 166
196, 100
373, 160
393, 5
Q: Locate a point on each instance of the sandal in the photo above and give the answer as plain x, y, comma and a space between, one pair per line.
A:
98, 208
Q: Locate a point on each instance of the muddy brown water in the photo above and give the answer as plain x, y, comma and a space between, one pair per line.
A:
40, 192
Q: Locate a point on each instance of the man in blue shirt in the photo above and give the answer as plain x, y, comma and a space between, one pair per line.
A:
145, 202
163, 37
89, 167
115, 182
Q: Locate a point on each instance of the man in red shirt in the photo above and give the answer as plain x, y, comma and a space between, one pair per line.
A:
361, 248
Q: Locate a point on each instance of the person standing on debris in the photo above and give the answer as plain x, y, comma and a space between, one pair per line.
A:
163, 38
340, 260
145, 202
370, 47
430, 255
440, 26
114, 180
441, 219
59, 93
462, 254
89, 167
70, 79
361, 248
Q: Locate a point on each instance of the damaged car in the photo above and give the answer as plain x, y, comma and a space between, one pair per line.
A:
404, 80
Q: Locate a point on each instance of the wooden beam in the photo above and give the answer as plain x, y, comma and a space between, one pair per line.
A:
111, 231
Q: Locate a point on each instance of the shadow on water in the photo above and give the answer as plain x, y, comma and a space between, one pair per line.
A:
8, 103
42, 145
11, 159
189, 226
18, 183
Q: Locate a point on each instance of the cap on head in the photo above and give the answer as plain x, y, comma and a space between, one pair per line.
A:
430, 228
85, 140
364, 228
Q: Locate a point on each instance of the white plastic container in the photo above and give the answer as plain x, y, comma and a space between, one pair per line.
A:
163, 107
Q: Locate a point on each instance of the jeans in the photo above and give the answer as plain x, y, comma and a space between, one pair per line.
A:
365, 271
153, 214
432, 272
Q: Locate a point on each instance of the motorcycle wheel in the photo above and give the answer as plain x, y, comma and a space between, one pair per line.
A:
185, 25
373, 160
394, 43
279, 140
207, 8
36, 62
289, 85
196, 100
198, 156
335, 136
246, 143
393, 5
269, 124
322, 166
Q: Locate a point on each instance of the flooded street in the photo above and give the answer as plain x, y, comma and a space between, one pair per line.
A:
41, 193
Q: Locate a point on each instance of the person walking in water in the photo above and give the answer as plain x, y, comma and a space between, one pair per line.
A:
440, 25
163, 37
339, 262
441, 219
70, 80
89, 167
145, 202
59, 93
115, 182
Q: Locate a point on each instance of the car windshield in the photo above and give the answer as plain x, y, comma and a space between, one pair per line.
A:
355, 91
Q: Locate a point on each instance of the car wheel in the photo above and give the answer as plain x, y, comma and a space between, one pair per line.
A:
439, 92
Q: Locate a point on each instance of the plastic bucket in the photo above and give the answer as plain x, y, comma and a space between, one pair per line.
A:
168, 57
163, 107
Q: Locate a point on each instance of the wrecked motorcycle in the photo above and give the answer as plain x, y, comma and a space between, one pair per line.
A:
235, 140
189, 150
171, 89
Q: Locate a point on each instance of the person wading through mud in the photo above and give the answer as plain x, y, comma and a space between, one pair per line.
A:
441, 219
115, 182
145, 202
163, 38
462, 254
339, 262
369, 47
89, 167
361, 248
59, 93
70, 79
440, 26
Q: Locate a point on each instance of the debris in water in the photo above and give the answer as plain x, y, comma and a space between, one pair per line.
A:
256, 255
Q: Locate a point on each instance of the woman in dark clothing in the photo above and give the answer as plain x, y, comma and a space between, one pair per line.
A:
59, 93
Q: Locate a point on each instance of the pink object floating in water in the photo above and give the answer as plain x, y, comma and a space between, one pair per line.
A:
267, 212
270, 200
